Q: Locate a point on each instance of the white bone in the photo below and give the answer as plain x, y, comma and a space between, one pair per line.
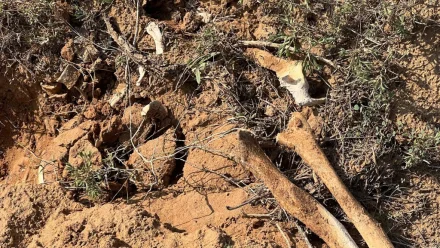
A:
141, 75
154, 31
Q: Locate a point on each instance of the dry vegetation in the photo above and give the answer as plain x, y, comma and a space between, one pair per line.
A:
364, 57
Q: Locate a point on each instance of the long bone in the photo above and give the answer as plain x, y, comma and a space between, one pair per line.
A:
293, 199
299, 137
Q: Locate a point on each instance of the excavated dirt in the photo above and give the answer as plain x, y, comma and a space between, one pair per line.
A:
167, 181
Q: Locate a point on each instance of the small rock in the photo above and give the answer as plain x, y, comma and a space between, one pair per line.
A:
264, 31
90, 54
191, 22
106, 109
270, 111
132, 116
84, 146
110, 131
90, 112
160, 151
69, 77
68, 138
98, 64
51, 125
314, 120
72, 123
68, 52
134, 121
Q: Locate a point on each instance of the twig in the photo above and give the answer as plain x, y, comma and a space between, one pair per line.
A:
33, 154
369, 39
247, 202
127, 78
284, 235
137, 23
303, 234
128, 49
291, 49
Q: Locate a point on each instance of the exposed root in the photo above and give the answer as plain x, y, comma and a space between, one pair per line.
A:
299, 137
127, 48
293, 199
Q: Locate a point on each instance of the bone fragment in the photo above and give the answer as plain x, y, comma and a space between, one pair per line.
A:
118, 94
154, 31
141, 75
154, 110
290, 74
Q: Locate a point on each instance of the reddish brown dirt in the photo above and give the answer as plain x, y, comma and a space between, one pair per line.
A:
41, 216
197, 179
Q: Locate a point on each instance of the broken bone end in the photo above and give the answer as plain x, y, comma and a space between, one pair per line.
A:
154, 110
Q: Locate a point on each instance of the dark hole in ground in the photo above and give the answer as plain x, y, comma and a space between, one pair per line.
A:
318, 87
107, 80
231, 4
311, 19
157, 131
159, 9
180, 156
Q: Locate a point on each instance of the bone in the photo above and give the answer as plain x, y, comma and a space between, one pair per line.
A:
154, 31
141, 75
293, 199
154, 110
205, 16
300, 138
118, 94
289, 73
51, 89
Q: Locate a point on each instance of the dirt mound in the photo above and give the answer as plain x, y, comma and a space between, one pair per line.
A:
26, 209
41, 216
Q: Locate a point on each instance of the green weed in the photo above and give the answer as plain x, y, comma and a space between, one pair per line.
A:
198, 65
86, 177
423, 147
